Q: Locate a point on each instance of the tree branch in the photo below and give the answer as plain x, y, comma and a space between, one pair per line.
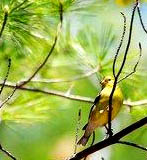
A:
71, 97
135, 103
41, 66
8, 98
120, 70
6, 11
129, 41
135, 67
110, 141
7, 153
22, 83
52, 92
61, 12
7, 74
4, 22
141, 21
121, 42
133, 145
47, 57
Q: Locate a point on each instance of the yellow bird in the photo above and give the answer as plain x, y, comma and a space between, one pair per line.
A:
98, 116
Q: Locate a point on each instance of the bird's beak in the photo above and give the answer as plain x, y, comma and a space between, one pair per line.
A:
103, 82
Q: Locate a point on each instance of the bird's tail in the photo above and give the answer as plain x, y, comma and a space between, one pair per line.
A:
83, 140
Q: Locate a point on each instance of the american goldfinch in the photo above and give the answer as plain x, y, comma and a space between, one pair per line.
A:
98, 116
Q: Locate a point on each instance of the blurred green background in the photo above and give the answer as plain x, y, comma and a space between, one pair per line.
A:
37, 126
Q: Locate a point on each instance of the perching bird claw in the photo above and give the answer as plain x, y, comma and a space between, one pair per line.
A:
109, 132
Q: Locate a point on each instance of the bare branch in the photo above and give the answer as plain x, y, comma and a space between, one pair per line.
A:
7, 74
45, 60
52, 92
61, 12
135, 67
8, 98
110, 141
120, 70
121, 42
22, 83
135, 103
4, 23
32, 76
71, 97
129, 40
41, 66
3, 84
133, 145
141, 21
7, 153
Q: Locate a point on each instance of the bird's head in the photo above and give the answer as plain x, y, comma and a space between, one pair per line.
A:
107, 81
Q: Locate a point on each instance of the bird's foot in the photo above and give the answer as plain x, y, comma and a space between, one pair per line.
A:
109, 132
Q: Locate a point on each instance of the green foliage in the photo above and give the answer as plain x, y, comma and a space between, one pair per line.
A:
33, 124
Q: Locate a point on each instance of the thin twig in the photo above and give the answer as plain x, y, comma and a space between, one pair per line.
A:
22, 83
45, 60
120, 70
135, 103
6, 77
42, 64
4, 23
32, 76
8, 98
133, 145
135, 67
61, 12
121, 42
110, 141
71, 97
53, 92
129, 41
7, 153
141, 21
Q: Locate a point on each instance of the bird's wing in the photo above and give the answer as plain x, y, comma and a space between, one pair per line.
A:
96, 101
92, 108
103, 102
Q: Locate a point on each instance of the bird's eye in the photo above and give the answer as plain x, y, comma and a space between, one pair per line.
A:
109, 79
